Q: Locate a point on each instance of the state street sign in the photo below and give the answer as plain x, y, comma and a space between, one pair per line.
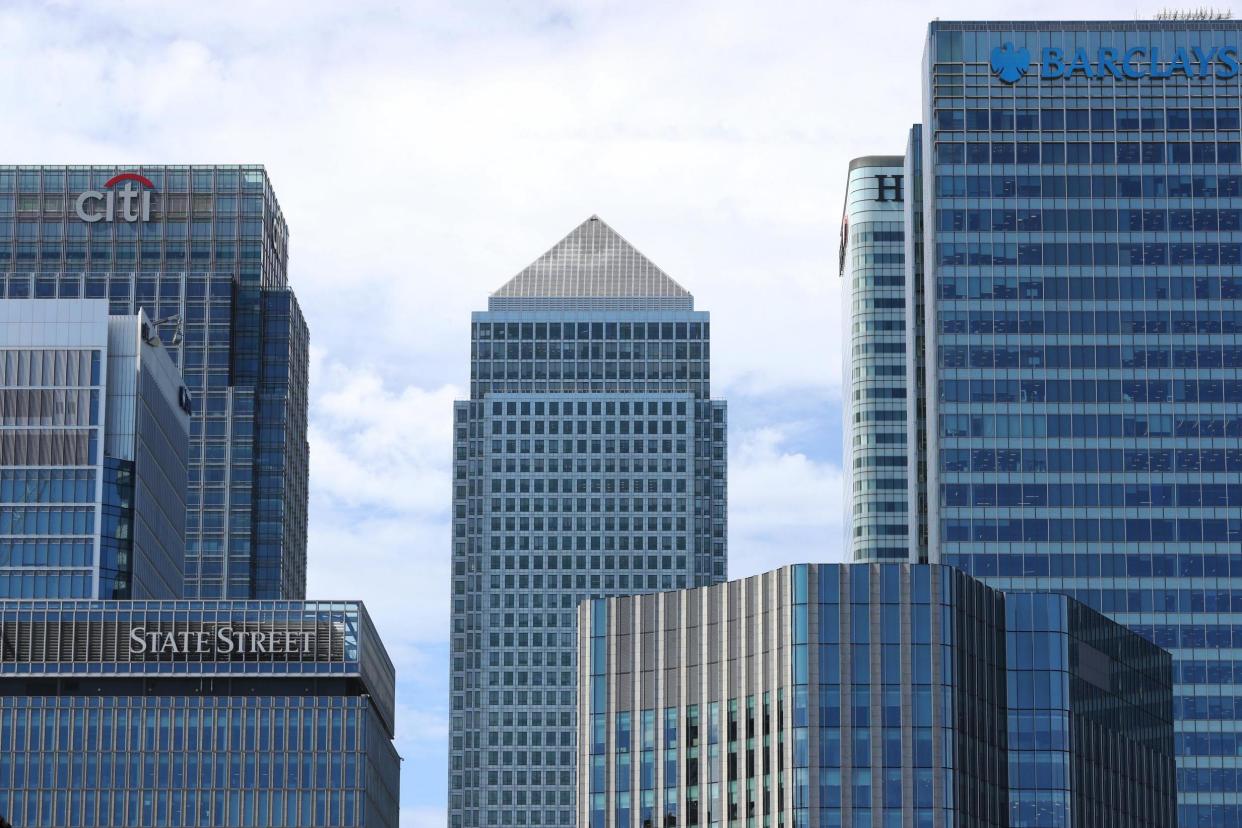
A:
222, 641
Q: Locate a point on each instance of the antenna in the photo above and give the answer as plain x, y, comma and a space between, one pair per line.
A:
152, 336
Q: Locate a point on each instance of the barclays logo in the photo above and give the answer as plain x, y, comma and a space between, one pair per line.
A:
1010, 64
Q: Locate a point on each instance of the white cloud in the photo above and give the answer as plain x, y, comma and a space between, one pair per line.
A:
784, 507
380, 496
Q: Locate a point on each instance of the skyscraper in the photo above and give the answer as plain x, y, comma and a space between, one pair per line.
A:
588, 461
94, 433
876, 433
869, 695
1080, 287
204, 251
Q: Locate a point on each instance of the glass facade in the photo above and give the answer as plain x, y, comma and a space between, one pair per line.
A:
589, 461
1083, 274
873, 265
204, 251
888, 695
94, 432
201, 713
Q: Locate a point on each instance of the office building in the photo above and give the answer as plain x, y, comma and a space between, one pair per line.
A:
874, 411
1080, 289
203, 250
195, 713
588, 461
94, 436
869, 695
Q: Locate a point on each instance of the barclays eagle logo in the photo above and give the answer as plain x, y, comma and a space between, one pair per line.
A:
1010, 64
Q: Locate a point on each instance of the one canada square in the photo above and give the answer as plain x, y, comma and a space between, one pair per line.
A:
589, 461
1072, 373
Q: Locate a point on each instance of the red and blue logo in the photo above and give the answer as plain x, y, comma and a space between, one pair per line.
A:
129, 202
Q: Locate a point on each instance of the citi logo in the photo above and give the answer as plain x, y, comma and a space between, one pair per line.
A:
134, 204
1010, 64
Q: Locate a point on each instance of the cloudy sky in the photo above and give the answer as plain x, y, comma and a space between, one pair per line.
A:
424, 152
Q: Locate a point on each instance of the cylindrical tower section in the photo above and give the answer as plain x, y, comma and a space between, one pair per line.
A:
877, 442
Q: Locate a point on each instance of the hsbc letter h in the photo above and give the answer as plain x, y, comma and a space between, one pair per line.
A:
886, 184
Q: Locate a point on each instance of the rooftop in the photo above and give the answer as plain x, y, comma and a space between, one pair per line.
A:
593, 261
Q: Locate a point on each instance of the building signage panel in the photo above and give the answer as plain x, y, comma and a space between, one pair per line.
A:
1010, 64
221, 641
36, 641
129, 203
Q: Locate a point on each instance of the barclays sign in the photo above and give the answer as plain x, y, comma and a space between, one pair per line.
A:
1010, 64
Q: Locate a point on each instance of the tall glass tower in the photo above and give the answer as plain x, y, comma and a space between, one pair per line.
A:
1081, 294
589, 461
876, 433
203, 250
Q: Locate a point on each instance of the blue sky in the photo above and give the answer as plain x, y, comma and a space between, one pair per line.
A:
424, 152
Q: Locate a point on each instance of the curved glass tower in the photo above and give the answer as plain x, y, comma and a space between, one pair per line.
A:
869, 695
876, 434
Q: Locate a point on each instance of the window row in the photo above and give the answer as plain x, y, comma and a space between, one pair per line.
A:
1154, 186
47, 485
1079, 460
173, 231
1033, 495
1090, 530
1159, 597
1034, 219
42, 552
595, 446
593, 350
48, 407
1087, 253
47, 520
624, 465
1083, 152
1039, 355
1001, 287
591, 330
610, 370
49, 367
599, 426
1076, 425
52, 179
1089, 391
1173, 119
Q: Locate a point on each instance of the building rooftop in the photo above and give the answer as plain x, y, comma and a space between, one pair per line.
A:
593, 261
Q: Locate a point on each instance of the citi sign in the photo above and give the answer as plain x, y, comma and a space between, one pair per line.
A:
1011, 64
127, 202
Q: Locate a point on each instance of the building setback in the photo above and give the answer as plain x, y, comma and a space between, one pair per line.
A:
1079, 283
94, 434
203, 250
202, 713
588, 461
884, 694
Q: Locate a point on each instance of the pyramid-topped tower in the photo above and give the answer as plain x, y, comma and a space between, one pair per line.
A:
588, 461
593, 262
